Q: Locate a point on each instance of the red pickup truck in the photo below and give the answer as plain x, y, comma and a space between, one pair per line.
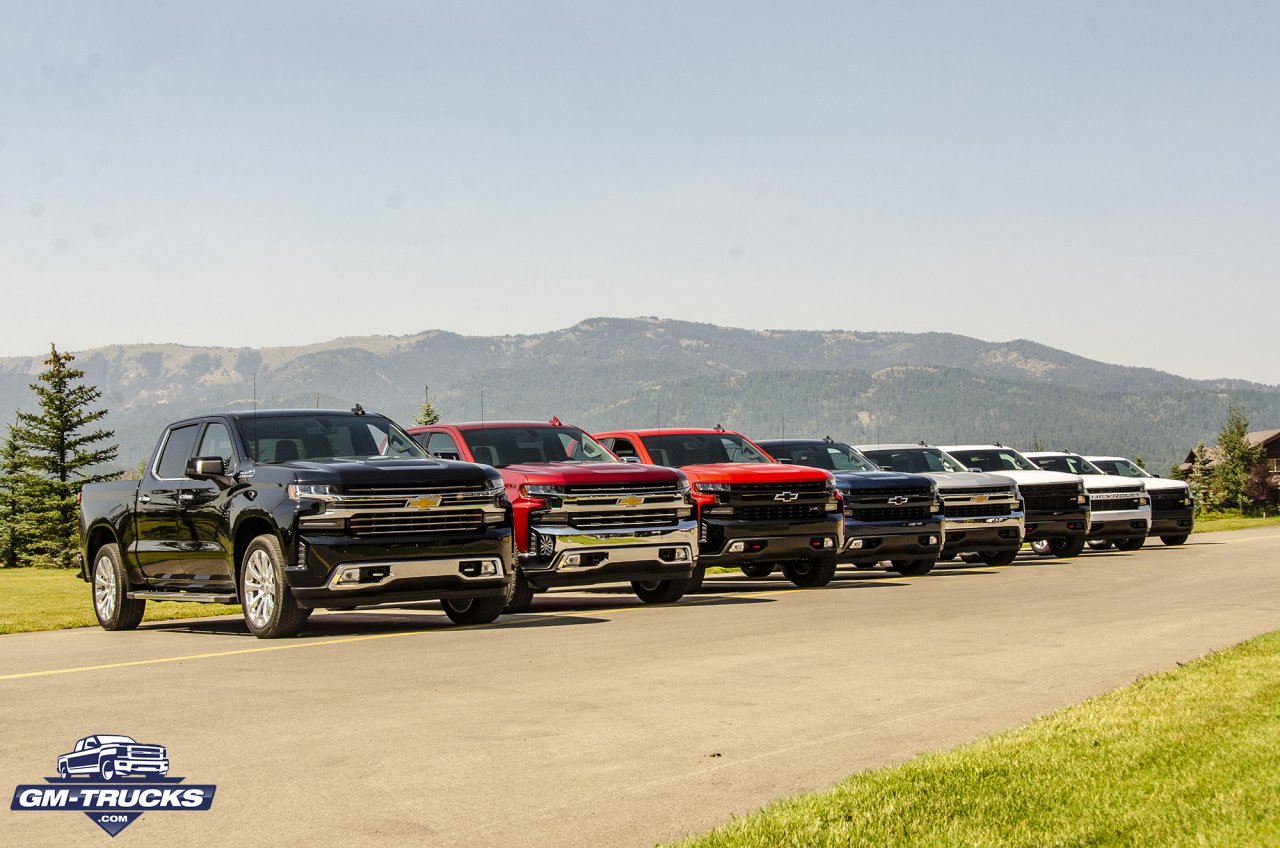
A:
582, 516
754, 512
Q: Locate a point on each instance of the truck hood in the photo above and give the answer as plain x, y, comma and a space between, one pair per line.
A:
880, 480
1161, 484
1043, 478
1093, 482
599, 473
753, 472
968, 479
381, 471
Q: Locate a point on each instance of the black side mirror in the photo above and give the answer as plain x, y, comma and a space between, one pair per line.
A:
787, 461
446, 455
207, 468
634, 459
886, 468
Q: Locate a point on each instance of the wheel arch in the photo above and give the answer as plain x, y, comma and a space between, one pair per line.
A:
249, 528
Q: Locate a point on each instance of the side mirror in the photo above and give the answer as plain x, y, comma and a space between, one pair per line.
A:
787, 461
446, 455
975, 469
207, 468
634, 459
886, 468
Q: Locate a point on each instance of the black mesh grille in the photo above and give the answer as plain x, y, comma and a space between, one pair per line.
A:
1050, 498
881, 494
1116, 504
780, 512
620, 489
772, 488
891, 513
977, 510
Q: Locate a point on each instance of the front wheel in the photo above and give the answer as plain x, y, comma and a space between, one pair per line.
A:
757, 570
270, 609
111, 601
519, 596
865, 566
811, 573
1062, 547
913, 567
660, 591
1174, 541
999, 557
107, 769
1132, 543
474, 610
1100, 545
695, 580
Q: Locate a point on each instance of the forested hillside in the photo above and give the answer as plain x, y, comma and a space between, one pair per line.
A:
614, 372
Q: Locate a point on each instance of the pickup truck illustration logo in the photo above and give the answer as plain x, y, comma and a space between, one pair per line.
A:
786, 497
113, 780
109, 757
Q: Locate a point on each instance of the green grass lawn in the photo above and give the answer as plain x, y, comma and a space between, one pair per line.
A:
53, 599
1188, 757
1214, 523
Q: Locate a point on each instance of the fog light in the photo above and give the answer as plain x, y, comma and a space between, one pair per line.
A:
737, 547
856, 543
573, 559
682, 555
933, 540
349, 576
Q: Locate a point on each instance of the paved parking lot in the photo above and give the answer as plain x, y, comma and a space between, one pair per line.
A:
595, 721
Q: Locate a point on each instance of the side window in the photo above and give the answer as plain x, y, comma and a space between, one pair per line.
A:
177, 450
443, 446
623, 447
216, 442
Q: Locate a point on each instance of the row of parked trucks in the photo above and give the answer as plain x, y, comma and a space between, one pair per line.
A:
293, 510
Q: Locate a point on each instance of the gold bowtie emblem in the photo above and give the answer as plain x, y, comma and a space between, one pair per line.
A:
630, 500
425, 502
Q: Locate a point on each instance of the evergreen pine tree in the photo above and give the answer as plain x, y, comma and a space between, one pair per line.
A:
58, 454
1200, 480
1236, 458
14, 522
427, 413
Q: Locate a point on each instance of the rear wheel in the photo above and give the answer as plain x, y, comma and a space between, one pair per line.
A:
865, 566
473, 610
519, 596
270, 609
1131, 543
111, 601
660, 591
913, 567
811, 573
999, 557
1174, 541
758, 570
1063, 547
1100, 545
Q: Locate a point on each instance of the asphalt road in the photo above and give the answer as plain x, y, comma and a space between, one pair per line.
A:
593, 720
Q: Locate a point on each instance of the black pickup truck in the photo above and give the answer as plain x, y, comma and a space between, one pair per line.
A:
291, 510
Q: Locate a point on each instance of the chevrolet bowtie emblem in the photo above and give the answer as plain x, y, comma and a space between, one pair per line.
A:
786, 497
897, 500
425, 502
979, 498
630, 500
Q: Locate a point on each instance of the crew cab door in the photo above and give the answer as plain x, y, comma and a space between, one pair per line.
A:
161, 534
206, 555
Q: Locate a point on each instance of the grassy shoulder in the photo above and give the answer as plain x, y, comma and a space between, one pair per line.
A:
1219, 522
55, 599
1186, 757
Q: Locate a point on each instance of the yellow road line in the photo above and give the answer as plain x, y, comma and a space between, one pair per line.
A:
1254, 539
346, 639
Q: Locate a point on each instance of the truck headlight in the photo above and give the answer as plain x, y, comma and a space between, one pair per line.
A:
536, 490
711, 487
310, 490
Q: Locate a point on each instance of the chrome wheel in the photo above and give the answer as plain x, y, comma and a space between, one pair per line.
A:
259, 588
1041, 546
104, 588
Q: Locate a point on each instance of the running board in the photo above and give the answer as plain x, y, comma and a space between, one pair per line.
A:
196, 597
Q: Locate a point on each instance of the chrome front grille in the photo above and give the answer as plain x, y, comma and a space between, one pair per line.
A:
415, 523
608, 519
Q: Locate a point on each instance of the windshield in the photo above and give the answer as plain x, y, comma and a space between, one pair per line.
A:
115, 740
274, 439
679, 449
914, 460
1120, 467
831, 456
503, 446
995, 459
1068, 464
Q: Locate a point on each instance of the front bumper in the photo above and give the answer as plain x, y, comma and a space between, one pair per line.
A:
1120, 524
1172, 522
399, 571
868, 541
569, 557
769, 541
141, 766
1057, 525
980, 535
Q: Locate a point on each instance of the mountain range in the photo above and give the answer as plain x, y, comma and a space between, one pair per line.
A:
615, 372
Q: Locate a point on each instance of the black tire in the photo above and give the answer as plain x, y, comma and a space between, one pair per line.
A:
999, 557
111, 602
811, 573
695, 580
944, 557
270, 609
474, 610
1131, 543
63, 771
758, 570
519, 596
107, 769
1174, 541
1100, 545
913, 567
661, 591
1062, 547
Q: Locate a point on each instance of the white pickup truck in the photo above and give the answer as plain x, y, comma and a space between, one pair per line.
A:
1173, 510
1120, 509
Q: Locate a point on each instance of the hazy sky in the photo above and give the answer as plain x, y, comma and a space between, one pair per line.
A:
1102, 177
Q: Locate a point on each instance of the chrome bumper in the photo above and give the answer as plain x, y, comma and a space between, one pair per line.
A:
1118, 524
467, 569
959, 525
575, 550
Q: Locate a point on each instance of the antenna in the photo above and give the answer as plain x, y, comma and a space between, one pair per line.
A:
482, 409
317, 400
255, 414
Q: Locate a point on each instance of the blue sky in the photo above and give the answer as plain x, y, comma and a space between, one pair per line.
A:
1100, 177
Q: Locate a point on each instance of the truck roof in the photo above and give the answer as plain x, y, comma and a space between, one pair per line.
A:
249, 415
674, 431
476, 425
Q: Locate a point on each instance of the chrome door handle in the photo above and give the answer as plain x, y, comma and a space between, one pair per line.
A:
144, 499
